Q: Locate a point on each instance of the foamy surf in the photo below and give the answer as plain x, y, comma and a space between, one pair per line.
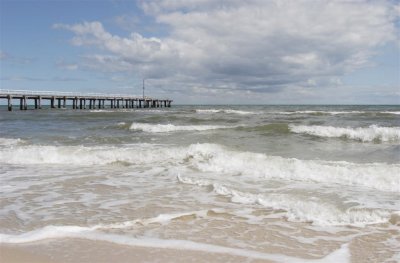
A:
60, 232
319, 112
10, 141
161, 128
297, 210
364, 134
228, 111
213, 158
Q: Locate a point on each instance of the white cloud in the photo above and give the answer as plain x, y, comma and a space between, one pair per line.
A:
257, 45
3, 55
62, 64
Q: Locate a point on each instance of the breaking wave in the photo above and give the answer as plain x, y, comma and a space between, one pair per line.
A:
9, 142
240, 112
367, 134
160, 128
212, 158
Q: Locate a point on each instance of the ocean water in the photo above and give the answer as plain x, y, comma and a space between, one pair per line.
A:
267, 183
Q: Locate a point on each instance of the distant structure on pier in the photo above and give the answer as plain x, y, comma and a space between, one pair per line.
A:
80, 100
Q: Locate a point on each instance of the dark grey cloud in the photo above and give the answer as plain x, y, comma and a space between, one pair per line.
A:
35, 79
256, 45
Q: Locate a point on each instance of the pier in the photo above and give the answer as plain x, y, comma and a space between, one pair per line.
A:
62, 100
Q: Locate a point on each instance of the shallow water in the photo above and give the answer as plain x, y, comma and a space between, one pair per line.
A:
280, 183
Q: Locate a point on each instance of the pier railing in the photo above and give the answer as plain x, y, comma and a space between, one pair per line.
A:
65, 93
79, 99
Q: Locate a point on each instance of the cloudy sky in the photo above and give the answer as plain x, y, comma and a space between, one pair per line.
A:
206, 51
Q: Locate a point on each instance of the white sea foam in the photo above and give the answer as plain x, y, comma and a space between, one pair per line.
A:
318, 112
160, 219
101, 111
391, 112
160, 128
89, 233
208, 111
81, 155
365, 134
215, 159
240, 112
9, 141
298, 210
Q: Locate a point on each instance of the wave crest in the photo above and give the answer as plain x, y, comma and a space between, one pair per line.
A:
367, 134
161, 128
212, 158
240, 112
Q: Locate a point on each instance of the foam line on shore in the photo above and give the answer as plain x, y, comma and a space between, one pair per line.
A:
59, 232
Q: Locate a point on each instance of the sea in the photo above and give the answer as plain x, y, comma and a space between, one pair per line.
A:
202, 183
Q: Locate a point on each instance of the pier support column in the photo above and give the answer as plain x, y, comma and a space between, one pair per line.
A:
52, 103
80, 104
36, 103
25, 103
90, 104
99, 104
9, 98
59, 103
84, 103
39, 100
64, 102
118, 104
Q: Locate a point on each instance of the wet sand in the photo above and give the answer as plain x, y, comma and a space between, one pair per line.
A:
86, 251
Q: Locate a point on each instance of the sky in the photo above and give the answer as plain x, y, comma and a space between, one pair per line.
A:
206, 51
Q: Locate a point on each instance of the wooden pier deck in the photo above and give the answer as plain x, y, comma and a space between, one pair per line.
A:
79, 100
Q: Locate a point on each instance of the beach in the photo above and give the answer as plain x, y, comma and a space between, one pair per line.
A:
201, 184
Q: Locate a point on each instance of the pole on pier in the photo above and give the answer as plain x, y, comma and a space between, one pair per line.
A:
143, 88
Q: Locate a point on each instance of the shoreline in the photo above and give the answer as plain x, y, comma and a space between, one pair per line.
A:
72, 250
